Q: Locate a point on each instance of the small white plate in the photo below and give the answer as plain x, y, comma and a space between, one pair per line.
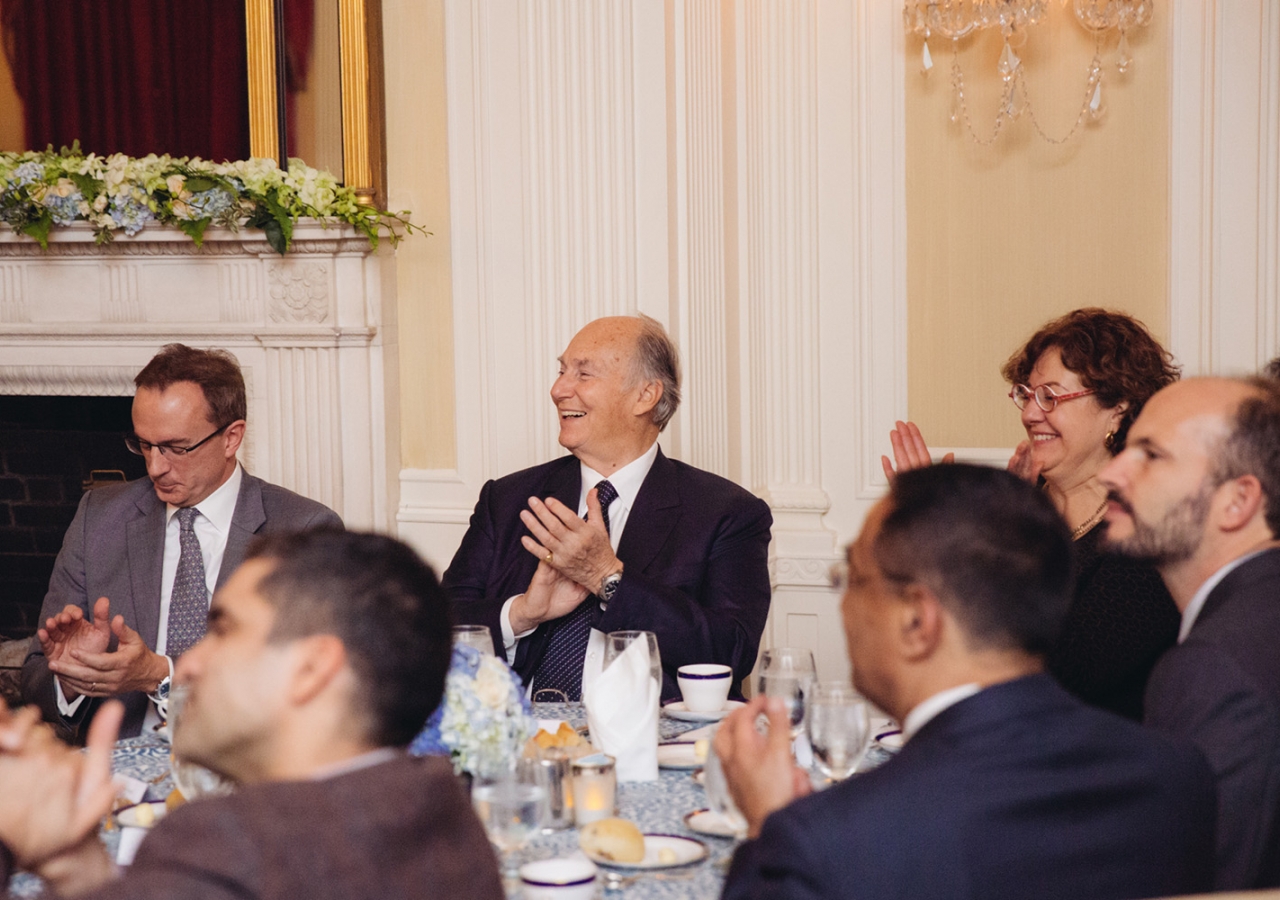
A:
678, 711
678, 755
686, 851
708, 821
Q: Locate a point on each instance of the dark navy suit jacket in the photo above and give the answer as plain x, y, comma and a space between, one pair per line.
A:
695, 551
1018, 791
1220, 688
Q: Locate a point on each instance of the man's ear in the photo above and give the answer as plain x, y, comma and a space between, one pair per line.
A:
234, 435
919, 622
319, 659
647, 398
1241, 499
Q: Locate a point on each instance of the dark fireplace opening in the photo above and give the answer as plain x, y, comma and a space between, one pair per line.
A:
51, 450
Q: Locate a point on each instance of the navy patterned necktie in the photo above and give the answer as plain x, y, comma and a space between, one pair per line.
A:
561, 666
189, 602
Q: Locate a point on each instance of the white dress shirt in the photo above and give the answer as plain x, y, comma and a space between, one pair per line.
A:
212, 526
930, 707
627, 482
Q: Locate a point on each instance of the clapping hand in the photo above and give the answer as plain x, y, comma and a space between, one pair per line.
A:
77, 651
550, 595
577, 548
1023, 463
909, 451
758, 767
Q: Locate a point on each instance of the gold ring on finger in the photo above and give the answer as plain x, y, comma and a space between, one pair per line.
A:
550, 556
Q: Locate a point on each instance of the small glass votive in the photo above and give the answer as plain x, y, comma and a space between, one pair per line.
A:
557, 767
595, 788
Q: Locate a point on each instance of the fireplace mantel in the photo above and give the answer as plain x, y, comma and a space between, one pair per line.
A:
81, 318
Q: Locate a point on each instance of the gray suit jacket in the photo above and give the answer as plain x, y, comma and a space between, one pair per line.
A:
1221, 689
399, 829
115, 549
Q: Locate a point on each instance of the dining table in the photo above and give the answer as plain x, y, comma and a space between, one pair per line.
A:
656, 807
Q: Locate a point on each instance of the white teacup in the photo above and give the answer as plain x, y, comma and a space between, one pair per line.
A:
570, 878
704, 686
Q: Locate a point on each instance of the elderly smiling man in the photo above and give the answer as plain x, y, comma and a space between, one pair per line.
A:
325, 654
616, 536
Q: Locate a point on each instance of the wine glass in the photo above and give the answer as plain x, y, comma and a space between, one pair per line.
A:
839, 723
787, 673
512, 805
477, 636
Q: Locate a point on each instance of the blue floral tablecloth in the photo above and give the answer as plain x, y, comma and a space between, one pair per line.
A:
655, 807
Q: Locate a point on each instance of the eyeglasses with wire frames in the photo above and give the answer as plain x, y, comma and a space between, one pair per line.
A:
143, 448
1044, 397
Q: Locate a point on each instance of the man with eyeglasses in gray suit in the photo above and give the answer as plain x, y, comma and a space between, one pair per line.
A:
131, 586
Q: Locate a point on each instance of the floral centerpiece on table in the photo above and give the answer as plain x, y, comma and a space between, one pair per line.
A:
40, 190
484, 719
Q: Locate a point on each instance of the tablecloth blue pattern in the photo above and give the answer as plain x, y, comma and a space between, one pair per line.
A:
655, 807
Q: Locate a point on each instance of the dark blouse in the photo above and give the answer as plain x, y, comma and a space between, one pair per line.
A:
1120, 621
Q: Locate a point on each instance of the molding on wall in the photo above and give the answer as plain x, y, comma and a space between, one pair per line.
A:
1224, 185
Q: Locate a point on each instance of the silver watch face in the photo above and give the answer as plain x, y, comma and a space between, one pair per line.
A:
610, 587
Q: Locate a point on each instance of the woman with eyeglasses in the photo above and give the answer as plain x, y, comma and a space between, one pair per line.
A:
1079, 383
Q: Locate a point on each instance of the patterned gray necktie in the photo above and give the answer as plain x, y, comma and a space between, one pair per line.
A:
189, 602
561, 665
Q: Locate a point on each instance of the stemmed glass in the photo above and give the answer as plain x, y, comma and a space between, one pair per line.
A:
477, 636
787, 673
512, 804
617, 642
839, 723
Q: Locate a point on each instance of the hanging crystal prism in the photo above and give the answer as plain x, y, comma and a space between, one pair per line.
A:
926, 59
1124, 58
1097, 108
1008, 62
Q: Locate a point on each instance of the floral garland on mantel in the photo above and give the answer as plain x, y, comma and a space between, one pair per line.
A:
42, 190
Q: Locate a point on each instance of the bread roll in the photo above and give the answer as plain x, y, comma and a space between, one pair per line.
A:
615, 839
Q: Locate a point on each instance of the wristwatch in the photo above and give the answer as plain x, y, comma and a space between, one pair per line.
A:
609, 587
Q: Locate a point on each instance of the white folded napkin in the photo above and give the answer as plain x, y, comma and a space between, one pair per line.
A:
622, 713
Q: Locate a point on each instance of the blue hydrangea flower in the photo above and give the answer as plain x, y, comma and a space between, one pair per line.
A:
28, 173
64, 210
210, 204
484, 719
130, 213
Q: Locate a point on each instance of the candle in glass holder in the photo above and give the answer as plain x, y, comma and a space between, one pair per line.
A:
595, 787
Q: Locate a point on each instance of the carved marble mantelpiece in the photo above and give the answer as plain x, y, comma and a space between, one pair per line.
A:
82, 318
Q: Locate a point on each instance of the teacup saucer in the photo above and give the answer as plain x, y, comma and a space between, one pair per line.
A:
678, 710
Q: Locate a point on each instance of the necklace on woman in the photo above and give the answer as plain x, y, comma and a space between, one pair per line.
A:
1088, 523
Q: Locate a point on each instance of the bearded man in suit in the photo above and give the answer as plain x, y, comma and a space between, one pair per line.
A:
325, 654
663, 547
1196, 492
1007, 786
130, 588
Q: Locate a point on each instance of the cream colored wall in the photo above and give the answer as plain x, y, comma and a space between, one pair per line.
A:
1001, 239
418, 180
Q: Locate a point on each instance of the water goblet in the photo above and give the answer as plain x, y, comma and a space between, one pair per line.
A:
477, 636
839, 723
512, 805
787, 673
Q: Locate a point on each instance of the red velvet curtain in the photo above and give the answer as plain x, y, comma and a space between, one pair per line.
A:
139, 76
